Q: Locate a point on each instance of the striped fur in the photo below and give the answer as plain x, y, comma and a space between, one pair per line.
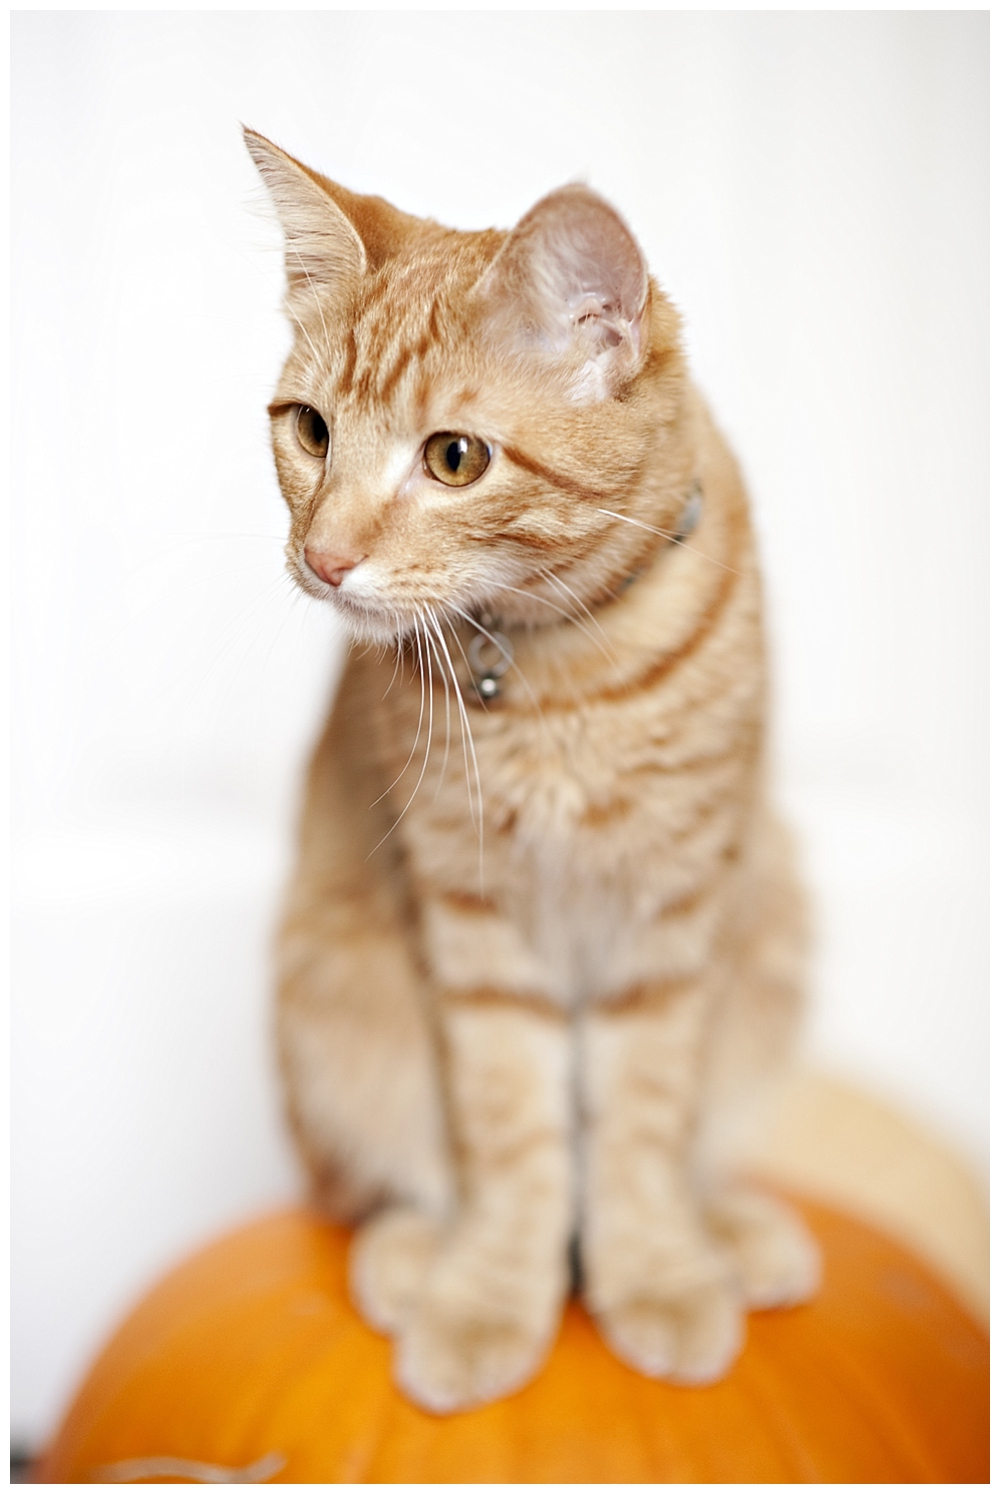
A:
533, 952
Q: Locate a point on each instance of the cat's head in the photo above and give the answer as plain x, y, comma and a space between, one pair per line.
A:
464, 416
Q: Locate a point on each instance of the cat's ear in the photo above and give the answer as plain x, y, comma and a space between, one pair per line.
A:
322, 246
571, 274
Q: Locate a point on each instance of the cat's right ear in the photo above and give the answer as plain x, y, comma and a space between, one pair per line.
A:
322, 246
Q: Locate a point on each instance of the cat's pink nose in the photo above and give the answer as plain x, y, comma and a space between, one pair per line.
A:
330, 568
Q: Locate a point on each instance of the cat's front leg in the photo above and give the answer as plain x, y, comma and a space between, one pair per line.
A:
663, 1293
491, 1301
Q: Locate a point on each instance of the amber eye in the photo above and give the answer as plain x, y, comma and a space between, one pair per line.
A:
456, 460
310, 427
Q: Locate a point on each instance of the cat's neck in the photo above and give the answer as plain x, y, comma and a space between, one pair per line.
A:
492, 648
576, 653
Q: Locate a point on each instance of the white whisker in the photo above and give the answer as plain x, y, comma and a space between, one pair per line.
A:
577, 602
605, 650
664, 534
447, 704
467, 729
427, 752
399, 655
416, 739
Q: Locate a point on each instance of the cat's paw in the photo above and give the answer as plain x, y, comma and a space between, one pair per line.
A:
390, 1258
690, 1336
483, 1325
451, 1358
775, 1258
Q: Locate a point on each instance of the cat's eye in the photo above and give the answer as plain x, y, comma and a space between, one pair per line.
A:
455, 459
311, 430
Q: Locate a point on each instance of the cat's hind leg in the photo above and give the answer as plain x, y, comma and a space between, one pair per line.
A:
361, 1087
774, 1257
355, 1039
750, 1040
363, 1094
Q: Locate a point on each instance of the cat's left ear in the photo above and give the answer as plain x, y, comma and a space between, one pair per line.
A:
571, 275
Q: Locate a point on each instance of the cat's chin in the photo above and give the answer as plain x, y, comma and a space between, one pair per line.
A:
367, 624
371, 623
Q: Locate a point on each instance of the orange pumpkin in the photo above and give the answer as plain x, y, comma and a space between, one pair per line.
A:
252, 1349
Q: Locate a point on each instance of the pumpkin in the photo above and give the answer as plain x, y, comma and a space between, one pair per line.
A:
251, 1354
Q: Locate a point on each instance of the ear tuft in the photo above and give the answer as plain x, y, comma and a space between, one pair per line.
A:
574, 276
322, 247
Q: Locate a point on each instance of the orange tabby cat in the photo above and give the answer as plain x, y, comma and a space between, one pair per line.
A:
544, 926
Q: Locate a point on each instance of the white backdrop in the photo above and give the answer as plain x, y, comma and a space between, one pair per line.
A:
812, 189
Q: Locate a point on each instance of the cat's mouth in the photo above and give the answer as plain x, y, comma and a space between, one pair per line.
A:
370, 619
359, 598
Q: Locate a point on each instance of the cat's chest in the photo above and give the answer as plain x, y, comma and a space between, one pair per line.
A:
577, 825
560, 801
573, 829
588, 786
573, 801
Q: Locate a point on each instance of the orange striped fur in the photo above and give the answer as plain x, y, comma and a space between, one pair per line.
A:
536, 949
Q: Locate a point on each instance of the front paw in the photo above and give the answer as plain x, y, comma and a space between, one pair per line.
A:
449, 1359
482, 1328
390, 1258
690, 1336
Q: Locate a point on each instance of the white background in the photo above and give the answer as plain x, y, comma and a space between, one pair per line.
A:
812, 190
